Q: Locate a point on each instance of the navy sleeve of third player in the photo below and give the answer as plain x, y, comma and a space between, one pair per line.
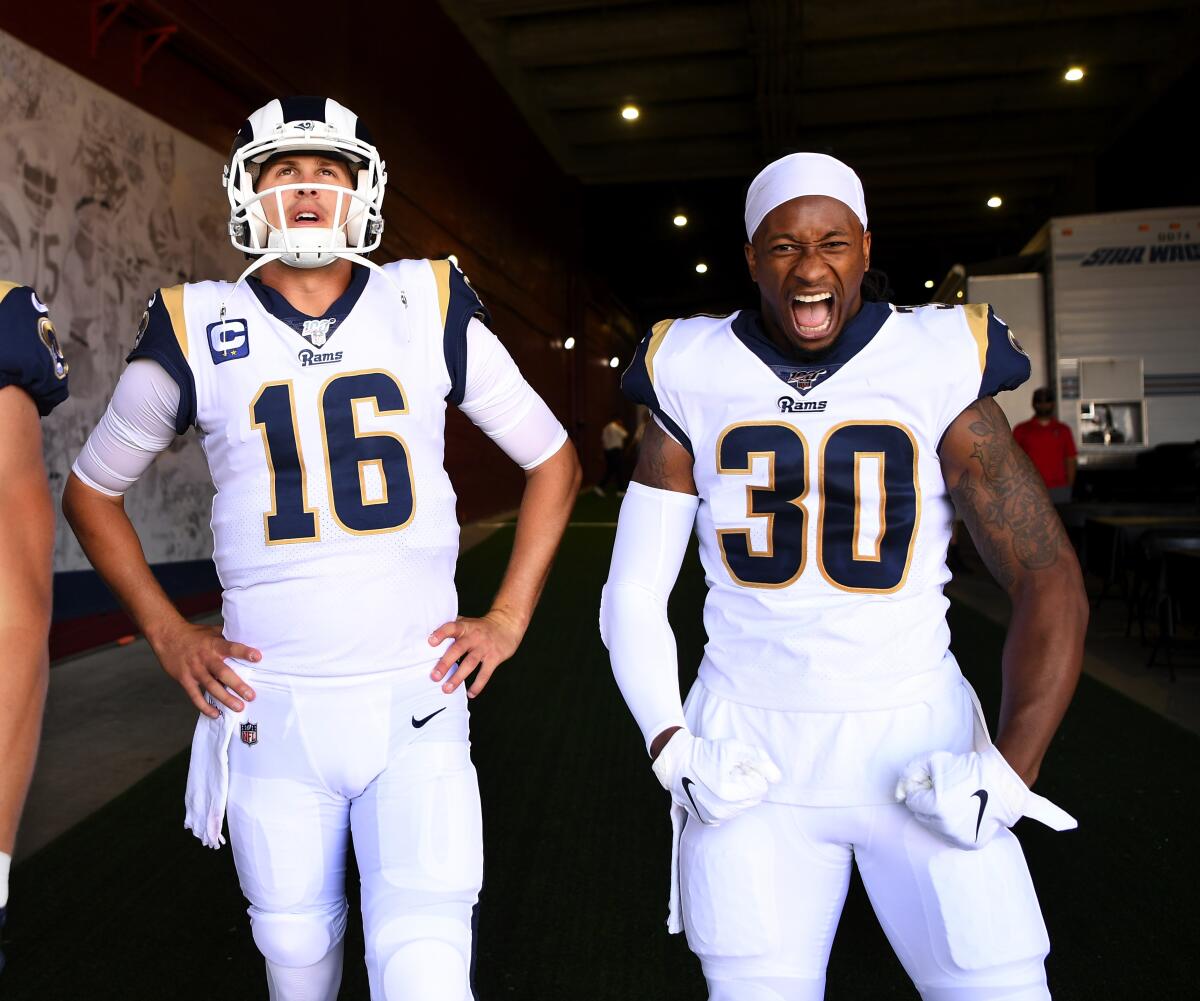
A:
30, 356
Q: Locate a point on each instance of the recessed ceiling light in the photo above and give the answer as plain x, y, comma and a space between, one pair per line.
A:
958, 294
701, 268
1074, 74
929, 283
995, 202
568, 343
680, 220
631, 113
614, 361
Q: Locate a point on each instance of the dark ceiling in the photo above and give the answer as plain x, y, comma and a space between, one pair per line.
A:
937, 104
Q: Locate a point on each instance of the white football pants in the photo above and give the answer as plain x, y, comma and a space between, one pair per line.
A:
384, 759
761, 895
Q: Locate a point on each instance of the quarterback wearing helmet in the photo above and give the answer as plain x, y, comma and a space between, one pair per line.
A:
333, 699
819, 446
33, 380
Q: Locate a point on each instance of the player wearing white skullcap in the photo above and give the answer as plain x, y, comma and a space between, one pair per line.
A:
800, 174
818, 446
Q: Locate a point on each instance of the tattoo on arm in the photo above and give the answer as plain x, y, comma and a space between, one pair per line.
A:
660, 462
1003, 501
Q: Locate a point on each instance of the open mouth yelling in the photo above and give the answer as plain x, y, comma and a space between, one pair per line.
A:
305, 217
812, 314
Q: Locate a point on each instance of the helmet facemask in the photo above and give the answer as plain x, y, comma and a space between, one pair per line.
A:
306, 246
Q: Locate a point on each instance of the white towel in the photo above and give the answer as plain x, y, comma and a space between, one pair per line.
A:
208, 776
674, 910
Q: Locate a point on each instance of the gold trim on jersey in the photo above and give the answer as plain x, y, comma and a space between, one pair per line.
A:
441, 276
912, 540
6, 287
261, 427
977, 323
374, 401
751, 490
173, 301
363, 466
881, 458
658, 334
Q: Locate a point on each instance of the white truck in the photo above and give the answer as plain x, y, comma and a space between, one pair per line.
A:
1108, 308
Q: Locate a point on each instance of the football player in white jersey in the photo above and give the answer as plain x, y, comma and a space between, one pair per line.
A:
331, 704
819, 447
33, 381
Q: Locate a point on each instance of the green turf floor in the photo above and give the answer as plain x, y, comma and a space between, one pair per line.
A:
128, 905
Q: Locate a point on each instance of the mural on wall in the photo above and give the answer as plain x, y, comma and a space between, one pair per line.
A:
100, 204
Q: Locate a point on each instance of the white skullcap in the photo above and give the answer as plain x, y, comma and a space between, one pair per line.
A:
799, 174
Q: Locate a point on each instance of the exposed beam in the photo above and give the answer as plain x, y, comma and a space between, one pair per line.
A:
948, 139
954, 58
522, 8
825, 22
670, 121
606, 85
630, 33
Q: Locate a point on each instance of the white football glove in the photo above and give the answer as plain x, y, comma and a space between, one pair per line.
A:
967, 798
714, 780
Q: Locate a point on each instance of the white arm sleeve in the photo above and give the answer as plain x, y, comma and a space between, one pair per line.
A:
652, 536
138, 424
503, 405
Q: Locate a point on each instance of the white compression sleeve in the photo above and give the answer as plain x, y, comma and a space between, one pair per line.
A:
503, 405
652, 536
138, 424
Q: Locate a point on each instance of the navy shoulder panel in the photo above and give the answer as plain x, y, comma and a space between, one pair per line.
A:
162, 337
30, 356
1006, 366
637, 382
458, 303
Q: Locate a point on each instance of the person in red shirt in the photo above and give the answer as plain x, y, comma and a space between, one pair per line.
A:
1050, 445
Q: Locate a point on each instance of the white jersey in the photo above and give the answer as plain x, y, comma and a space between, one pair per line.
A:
824, 518
335, 536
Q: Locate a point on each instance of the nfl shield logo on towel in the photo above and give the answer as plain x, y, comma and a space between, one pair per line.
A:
250, 734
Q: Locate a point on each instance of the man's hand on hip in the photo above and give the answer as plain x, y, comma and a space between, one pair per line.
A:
194, 655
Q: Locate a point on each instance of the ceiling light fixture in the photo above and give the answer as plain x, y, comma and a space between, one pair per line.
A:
1074, 74
680, 220
958, 294
569, 343
614, 362
929, 283
995, 202
631, 113
701, 268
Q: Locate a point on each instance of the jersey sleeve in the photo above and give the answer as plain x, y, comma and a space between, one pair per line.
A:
30, 356
458, 303
1003, 365
638, 382
162, 337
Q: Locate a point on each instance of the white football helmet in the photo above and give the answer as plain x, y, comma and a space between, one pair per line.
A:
311, 125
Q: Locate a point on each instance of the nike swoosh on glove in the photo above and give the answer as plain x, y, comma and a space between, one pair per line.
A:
714, 780
967, 798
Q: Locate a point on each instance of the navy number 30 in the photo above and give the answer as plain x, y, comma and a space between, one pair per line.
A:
868, 505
